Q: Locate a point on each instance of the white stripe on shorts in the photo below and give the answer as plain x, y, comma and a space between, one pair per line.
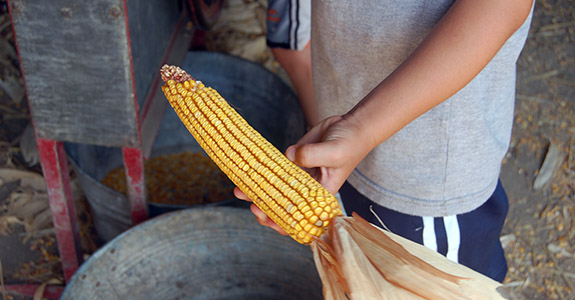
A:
429, 239
294, 23
451, 231
453, 237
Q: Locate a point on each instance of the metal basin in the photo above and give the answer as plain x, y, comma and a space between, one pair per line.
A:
218, 253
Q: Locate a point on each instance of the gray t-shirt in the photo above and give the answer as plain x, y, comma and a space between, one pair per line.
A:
448, 160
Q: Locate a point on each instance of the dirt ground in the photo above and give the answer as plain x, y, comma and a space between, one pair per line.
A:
540, 232
538, 171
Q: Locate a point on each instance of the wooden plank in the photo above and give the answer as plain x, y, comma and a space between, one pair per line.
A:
77, 74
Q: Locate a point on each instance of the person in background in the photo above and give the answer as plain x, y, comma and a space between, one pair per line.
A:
288, 36
414, 104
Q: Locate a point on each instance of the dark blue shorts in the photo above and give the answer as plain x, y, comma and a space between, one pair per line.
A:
471, 239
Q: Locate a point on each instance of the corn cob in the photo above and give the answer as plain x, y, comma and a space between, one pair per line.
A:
286, 193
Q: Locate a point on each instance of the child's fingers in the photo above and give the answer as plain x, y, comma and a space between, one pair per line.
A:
264, 220
315, 134
240, 195
314, 155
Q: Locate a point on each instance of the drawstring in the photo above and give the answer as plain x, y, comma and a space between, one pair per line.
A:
377, 217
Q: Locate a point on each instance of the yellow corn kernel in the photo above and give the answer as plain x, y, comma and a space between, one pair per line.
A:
282, 190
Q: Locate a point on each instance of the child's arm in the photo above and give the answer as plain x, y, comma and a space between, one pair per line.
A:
459, 47
297, 64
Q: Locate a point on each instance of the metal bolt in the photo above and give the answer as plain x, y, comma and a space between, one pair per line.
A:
66, 12
115, 11
16, 5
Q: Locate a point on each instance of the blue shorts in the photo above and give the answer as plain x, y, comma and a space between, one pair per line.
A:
288, 24
471, 239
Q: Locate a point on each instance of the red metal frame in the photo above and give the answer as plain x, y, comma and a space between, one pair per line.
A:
133, 160
57, 178
155, 104
149, 124
56, 174
134, 165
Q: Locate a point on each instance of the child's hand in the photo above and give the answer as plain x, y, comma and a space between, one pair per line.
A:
263, 219
329, 152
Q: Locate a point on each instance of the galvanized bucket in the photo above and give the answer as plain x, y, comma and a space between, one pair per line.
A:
217, 253
260, 96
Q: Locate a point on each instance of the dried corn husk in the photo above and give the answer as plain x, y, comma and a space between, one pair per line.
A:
6, 222
40, 290
357, 260
27, 204
28, 146
553, 159
252, 50
27, 179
